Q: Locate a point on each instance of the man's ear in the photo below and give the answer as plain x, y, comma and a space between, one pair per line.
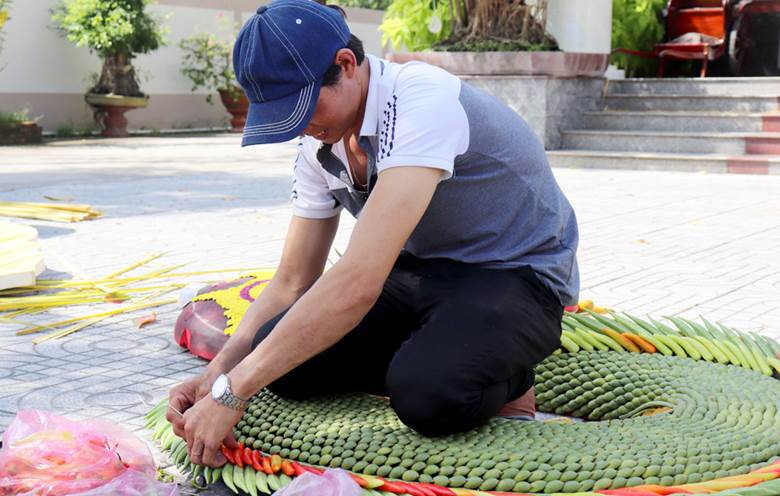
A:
346, 59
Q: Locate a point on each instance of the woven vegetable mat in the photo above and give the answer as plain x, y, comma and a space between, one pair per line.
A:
670, 408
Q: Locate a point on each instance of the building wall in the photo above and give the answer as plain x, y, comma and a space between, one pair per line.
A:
48, 75
549, 105
581, 25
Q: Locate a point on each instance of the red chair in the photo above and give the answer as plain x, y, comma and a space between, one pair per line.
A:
695, 30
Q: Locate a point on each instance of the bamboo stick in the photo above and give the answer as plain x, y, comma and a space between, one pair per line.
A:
61, 212
82, 325
135, 265
63, 283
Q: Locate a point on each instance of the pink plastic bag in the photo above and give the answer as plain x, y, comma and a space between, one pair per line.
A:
333, 482
133, 483
44, 454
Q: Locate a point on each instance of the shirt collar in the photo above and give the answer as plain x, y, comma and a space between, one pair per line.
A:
370, 124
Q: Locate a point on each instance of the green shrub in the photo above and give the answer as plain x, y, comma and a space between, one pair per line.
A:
483, 26
110, 27
117, 30
208, 63
637, 25
406, 23
18, 117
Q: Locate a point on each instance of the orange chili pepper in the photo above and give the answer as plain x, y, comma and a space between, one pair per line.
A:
267, 465
238, 457
640, 342
287, 468
276, 463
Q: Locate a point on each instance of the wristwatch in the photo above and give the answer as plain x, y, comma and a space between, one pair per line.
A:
222, 394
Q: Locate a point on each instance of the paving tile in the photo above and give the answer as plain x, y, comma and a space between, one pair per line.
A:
651, 242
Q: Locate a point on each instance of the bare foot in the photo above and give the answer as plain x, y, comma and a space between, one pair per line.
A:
524, 405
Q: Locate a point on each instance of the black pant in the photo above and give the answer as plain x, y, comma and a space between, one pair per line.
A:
450, 343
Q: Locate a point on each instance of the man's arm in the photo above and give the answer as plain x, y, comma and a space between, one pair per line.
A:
340, 299
303, 259
305, 252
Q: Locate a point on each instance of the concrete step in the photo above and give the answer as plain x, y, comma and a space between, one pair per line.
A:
697, 102
758, 86
665, 142
728, 122
678, 162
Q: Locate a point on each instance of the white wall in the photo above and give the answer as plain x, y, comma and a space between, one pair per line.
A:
160, 70
581, 25
47, 74
38, 59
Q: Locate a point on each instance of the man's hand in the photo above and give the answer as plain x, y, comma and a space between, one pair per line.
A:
184, 396
207, 426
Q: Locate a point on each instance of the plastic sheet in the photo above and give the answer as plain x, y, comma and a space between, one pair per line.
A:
333, 482
47, 455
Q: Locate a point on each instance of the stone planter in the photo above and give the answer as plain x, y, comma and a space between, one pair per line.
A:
238, 108
22, 133
554, 64
109, 112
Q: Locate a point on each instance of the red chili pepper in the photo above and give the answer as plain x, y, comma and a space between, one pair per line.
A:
425, 488
228, 454
287, 468
440, 490
631, 491
238, 456
313, 470
267, 465
415, 490
247, 455
257, 464
298, 469
360, 481
392, 487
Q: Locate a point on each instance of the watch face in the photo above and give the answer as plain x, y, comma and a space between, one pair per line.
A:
219, 387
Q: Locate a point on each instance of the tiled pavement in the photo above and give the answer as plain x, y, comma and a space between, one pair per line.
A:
651, 242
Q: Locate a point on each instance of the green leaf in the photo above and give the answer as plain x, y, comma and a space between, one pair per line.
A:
110, 27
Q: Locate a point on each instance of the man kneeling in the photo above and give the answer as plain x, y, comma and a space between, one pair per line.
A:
453, 283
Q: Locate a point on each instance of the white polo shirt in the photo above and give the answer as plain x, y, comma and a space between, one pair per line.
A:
497, 205
407, 136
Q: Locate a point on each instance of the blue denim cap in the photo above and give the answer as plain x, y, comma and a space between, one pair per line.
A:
280, 58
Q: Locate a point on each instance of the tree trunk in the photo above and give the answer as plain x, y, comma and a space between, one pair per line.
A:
117, 77
501, 20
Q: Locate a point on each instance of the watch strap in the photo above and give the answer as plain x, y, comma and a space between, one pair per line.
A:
230, 400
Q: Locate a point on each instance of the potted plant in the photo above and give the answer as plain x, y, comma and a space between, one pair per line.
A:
17, 128
117, 30
208, 63
483, 37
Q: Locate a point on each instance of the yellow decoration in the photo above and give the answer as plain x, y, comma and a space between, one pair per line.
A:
21, 258
235, 299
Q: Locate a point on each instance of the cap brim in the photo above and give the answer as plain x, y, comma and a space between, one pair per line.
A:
282, 119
